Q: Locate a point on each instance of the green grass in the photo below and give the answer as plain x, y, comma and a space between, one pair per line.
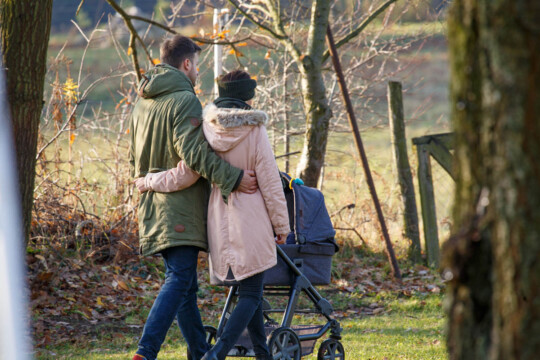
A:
413, 329
409, 328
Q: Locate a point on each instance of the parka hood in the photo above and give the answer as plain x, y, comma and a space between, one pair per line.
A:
163, 79
226, 127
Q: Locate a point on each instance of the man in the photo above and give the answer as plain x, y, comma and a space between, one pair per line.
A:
166, 128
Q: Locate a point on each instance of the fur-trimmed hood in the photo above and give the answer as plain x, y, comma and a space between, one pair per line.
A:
228, 117
224, 128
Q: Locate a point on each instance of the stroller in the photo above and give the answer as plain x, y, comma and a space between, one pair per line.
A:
304, 261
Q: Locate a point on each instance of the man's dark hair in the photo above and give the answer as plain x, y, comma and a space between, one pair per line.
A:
234, 75
175, 50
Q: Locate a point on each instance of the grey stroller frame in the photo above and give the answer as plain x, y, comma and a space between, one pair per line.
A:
285, 341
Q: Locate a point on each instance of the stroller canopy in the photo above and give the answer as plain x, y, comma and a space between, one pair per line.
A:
312, 223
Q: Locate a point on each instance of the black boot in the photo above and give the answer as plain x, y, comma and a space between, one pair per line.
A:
212, 354
263, 357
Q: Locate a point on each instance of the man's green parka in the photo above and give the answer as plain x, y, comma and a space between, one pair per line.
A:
164, 129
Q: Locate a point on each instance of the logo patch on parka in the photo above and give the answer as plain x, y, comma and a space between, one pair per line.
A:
195, 121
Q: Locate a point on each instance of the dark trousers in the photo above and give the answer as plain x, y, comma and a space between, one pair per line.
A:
176, 299
247, 313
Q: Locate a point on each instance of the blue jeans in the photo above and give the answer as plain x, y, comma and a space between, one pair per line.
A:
247, 313
177, 298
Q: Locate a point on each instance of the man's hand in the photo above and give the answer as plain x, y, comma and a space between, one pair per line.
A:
248, 184
139, 183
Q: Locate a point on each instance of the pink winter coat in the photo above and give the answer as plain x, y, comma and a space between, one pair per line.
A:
241, 232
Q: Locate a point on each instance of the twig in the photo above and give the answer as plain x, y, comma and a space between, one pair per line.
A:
133, 37
346, 207
257, 23
288, 154
123, 218
64, 126
355, 231
79, 7
354, 33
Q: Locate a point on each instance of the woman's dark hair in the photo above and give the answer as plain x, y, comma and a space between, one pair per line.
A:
234, 75
175, 50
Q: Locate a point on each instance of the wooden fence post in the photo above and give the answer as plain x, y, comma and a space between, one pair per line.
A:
427, 200
403, 170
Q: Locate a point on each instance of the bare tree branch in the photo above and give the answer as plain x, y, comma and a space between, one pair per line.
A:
354, 33
279, 32
257, 23
133, 37
276, 15
259, 8
355, 231
153, 22
79, 7
62, 129
173, 31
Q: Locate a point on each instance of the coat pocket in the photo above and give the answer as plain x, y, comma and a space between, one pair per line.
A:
146, 207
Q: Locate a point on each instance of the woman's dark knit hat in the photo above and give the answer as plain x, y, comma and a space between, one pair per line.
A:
243, 89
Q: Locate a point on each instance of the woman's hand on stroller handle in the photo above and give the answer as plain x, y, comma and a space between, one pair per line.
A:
281, 238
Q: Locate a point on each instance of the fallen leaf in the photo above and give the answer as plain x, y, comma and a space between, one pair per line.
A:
123, 285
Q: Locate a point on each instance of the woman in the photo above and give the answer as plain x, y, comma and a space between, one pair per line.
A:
241, 230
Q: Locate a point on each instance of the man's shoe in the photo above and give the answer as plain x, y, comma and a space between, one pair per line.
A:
138, 357
212, 354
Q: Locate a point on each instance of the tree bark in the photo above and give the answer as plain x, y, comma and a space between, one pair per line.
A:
316, 106
25, 28
492, 257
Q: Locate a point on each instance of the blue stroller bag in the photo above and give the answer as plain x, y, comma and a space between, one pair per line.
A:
311, 243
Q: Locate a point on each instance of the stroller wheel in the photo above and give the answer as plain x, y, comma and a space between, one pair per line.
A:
284, 345
211, 333
331, 349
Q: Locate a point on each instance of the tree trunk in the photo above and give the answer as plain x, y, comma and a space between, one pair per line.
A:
316, 107
318, 115
25, 28
492, 257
